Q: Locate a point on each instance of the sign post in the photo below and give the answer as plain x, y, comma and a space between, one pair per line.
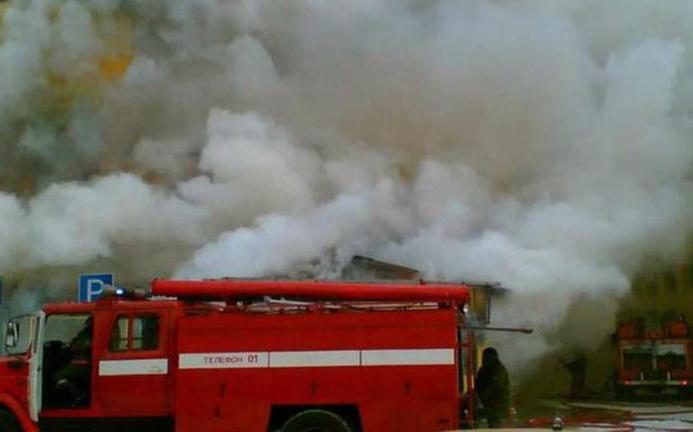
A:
91, 286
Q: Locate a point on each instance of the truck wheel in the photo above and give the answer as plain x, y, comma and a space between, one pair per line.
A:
7, 422
316, 420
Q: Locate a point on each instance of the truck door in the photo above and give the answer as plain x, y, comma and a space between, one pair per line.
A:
25, 333
36, 369
133, 369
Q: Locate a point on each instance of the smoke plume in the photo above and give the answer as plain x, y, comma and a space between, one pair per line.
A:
545, 145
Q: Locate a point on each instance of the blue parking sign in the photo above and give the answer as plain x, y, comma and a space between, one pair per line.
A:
91, 286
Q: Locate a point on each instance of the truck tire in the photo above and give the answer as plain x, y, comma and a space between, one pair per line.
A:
316, 420
7, 422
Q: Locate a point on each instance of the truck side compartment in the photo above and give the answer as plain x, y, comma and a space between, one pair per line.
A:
236, 370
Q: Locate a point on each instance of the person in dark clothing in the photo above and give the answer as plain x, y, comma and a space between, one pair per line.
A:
72, 382
493, 389
578, 377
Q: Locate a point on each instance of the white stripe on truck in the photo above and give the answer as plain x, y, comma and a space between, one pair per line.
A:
314, 358
133, 367
408, 357
332, 358
223, 360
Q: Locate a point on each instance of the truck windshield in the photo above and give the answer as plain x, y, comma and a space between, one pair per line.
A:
26, 331
671, 356
637, 357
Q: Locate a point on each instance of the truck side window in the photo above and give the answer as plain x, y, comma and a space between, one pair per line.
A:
119, 337
145, 333
135, 333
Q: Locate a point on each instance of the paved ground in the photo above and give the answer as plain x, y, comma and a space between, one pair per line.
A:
596, 416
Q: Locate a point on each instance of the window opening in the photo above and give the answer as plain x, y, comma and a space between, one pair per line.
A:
138, 333
67, 355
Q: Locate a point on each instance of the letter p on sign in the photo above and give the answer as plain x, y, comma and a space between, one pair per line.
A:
91, 286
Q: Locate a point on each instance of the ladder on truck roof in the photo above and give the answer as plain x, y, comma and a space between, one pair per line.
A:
313, 290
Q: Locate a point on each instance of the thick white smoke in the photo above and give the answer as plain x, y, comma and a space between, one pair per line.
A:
546, 145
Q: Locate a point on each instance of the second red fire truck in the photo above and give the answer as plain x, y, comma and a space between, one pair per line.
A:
654, 357
244, 356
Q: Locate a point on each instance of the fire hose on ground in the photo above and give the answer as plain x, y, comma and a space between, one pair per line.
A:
622, 421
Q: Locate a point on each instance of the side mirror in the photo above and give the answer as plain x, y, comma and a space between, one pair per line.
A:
12, 335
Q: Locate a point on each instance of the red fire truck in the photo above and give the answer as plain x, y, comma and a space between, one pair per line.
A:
246, 356
653, 357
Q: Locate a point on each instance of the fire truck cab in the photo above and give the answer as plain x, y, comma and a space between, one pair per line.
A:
245, 356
